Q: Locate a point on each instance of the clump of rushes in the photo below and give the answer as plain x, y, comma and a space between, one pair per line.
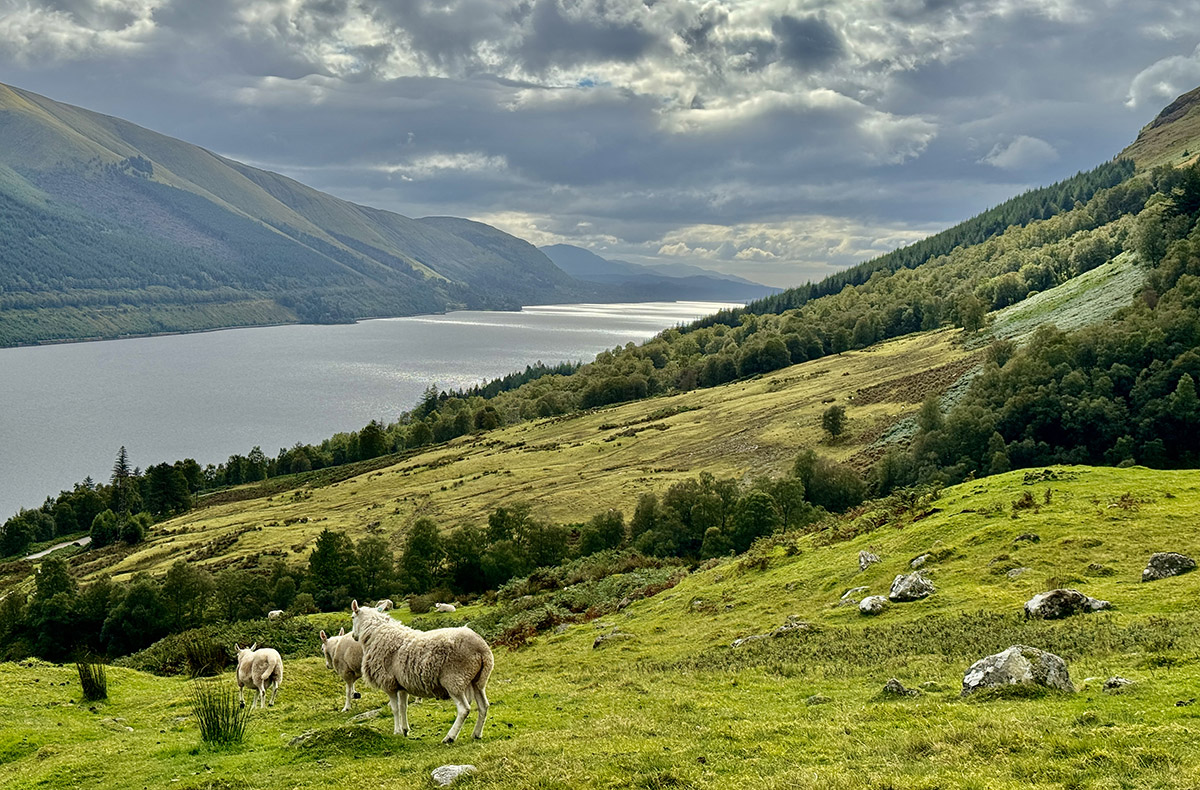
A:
93, 679
222, 720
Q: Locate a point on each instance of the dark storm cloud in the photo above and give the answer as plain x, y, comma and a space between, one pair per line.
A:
588, 31
810, 43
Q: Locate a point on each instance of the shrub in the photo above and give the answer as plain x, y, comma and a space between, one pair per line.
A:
93, 679
221, 718
203, 657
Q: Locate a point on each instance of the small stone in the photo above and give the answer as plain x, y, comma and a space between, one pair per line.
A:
1116, 683
789, 626
745, 639
604, 639
1016, 573
445, 775
866, 559
367, 716
817, 699
919, 561
847, 597
894, 688
1029, 536
910, 587
872, 605
1166, 564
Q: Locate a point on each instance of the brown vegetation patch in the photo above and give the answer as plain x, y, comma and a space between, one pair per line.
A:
915, 387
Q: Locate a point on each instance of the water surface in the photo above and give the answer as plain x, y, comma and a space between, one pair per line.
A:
65, 409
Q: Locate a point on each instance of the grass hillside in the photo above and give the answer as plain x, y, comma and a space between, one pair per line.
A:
1172, 138
671, 704
103, 218
571, 467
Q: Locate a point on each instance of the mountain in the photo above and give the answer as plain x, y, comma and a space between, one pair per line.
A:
1172, 137
665, 281
112, 229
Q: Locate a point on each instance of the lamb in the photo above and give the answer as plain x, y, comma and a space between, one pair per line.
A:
385, 605
275, 614
343, 654
443, 663
444, 607
258, 669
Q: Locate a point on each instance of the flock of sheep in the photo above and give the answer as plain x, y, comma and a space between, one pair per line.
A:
445, 663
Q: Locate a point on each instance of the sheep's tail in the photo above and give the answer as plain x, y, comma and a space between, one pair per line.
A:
486, 662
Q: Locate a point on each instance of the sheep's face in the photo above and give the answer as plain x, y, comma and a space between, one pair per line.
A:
327, 651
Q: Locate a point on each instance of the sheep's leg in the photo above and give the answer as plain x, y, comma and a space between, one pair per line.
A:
262, 696
481, 710
274, 693
394, 703
349, 695
404, 713
463, 703
242, 696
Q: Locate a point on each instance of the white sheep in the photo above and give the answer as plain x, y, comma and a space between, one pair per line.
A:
443, 663
275, 614
444, 607
385, 605
343, 654
258, 669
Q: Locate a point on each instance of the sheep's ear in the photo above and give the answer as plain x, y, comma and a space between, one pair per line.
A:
253, 647
323, 637
354, 605
341, 632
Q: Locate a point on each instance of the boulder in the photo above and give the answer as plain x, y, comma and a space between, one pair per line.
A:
866, 559
872, 605
445, 775
1165, 564
910, 587
1056, 604
894, 688
1018, 665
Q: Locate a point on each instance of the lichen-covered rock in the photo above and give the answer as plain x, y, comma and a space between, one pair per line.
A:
1018, 665
743, 640
919, 561
910, 587
872, 605
445, 775
1166, 564
894, 688
1056, 604
866, 559
848, 598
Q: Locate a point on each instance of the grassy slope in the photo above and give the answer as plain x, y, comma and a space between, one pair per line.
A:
572, 467
675, 706
1172, 138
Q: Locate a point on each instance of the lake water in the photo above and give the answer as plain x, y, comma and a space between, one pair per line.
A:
66, 409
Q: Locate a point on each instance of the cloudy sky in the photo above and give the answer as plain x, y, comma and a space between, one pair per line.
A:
776, 139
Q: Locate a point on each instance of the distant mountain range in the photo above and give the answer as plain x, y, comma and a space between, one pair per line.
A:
109, 229
680, 280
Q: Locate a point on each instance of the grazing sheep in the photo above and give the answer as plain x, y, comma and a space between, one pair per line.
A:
444, 663
444, 607
275, 614
258, 669
385, 605
343, 654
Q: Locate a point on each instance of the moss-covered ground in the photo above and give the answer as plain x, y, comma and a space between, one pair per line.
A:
673, 705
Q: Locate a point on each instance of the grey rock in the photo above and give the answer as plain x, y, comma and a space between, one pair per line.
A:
866, 559
445, 775
1056, 604
1029, 536
1018, 665
919, 561
1017, 573
605, 639
560, 629
789, 626
745, 639
1116, 683
848, 596
894, 688
910, 587
1166, 564
872, 605
371, 714
816, 699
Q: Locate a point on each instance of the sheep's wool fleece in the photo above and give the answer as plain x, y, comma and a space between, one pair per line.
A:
262, 667
347, 655
422, 663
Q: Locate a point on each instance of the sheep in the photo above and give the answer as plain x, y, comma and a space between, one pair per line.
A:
343, 654
444, 607
443, 663
385, 605
258, 669
275, 614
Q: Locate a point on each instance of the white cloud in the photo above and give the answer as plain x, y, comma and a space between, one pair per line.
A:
1020, 153
1161, 82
